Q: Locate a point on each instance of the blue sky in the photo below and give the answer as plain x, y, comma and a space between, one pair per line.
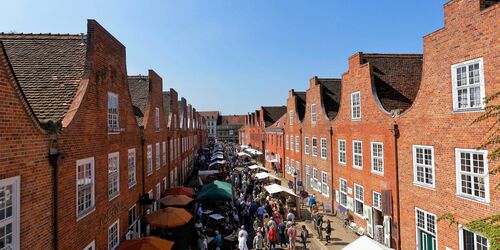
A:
236, 56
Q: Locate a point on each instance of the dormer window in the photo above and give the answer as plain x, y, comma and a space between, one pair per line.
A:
356, 106
113, 115
468, 85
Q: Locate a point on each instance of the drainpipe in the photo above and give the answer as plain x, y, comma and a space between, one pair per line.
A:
395, 132
301, 153
54, 156
331, 169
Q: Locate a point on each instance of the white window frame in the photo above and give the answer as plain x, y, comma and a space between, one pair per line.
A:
377, 205
356, 199
158, 156
342, 152
456, 88
323, 150
164, 153
426, 226
314, 114
314, 148
355, 106
15, 218
90, 246
112, 175
165, 183
291, 143
324, 184
291, 118
297, 144
343, 192
306, 145
157, 119
359, 154
461, 229
81, 214
150, 160
286, 142
117, 224
485, 175
375, 158
113, 117
132, 167
315, 178
415, 179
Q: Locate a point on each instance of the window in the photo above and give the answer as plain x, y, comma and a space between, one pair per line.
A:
358, 199
157, 119
171, 149
291, 118
355, 106
287, 165
164, 152
131, 168
306, 145
165, 183
150, 159
315, 174
291, 142
10, 213
292, 166
423, 165
113, 124
314, 115
158, 163
323, 148
426, 221
472, 174
132, 216
472, 241
342, 152
113, 235
85, 182
357, 154
378, 157
314, 146
324, 184
468, 85
297, 146
286, 142
90, 246
343, 193
113, 175
377, 200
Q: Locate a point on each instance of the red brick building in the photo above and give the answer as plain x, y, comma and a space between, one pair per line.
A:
440, 169
275, 145
295, 111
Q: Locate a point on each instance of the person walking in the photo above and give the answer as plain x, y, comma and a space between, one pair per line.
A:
258, 241
292, 236
282, 233
319, 226
218, 240
271, 237
304, 234
328, 230
312, 201
204, 243
242, 239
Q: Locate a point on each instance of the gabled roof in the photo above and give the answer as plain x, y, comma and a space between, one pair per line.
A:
272, 114
396, 78
300, 104
231, 119
278, 125
209, 114
331, 90
48, 68
139, 92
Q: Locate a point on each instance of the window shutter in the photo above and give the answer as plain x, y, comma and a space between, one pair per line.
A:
387, 231
387, 202
337, 196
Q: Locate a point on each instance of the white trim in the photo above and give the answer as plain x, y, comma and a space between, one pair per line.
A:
455, 87
485, 176
340, 151
422, 184
15, 219
314, 147
297, 143
321, 148
353, 106
89, 160
157, 119
461, 237
158, 155
306, 145
117, 129
379, 208
425, 225
354, 154
149, 160
131, 184
356, 199
117, 156
90, 246
314, 115
117, 223
346, 192
373, 158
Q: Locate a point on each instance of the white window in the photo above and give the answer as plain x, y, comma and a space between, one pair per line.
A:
164, 152
472, 174
314, 115
171, 184
113, 116
470, 240
323, 148
85, 182
377, 200
378, 157
158, 160
292, 166
423, 165
291, 118
131, 168
286, 142
315, 174
356, 106
10, 213
291, 142
314, 146
157, 119
357, 154
468, 85
324, 184
343, 192
90, 246
150, 159
358, 199
165, 183
171, 149
297, 146
342, 152
306, 145
114, 235
425, 221
287, 165
113, 175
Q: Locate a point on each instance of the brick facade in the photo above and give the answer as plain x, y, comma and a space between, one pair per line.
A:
293, 131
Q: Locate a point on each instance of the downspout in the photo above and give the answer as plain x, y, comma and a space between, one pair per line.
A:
53, 157
395, 132
331, 169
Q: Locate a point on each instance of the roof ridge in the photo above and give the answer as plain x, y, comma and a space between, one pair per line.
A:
16, 35
391, 55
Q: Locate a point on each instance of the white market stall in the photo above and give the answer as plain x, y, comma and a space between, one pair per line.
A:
253, 167
364, 242
275, 188
264, 175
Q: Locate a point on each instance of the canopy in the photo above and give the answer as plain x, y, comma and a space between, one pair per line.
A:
216, 216
180, 190
217, 190
273, 160
147, 243
261, 176
364, 242
243, 154
258, 167
253, 151
175, 200
217, 162
207, 172
169, 217
275, 188
243, 146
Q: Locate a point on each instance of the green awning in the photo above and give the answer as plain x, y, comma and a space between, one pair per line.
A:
217, 190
